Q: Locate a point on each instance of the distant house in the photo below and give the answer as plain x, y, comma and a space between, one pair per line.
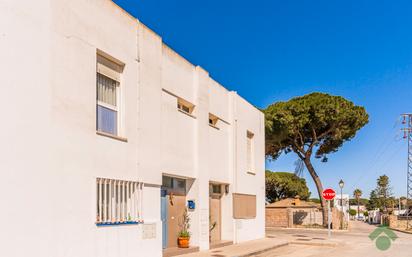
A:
342, 204
292, 212
374, 216
362, 209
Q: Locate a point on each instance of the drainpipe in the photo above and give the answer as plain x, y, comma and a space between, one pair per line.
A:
235, 166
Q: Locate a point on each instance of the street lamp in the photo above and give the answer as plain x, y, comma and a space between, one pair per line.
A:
341, 185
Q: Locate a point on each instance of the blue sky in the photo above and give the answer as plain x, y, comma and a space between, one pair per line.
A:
273, 50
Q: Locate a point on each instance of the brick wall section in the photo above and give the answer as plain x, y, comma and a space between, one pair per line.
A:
397, 224
277, 217
283, 217
336, 219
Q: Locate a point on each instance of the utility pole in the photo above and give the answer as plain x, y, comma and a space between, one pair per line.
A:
407, 120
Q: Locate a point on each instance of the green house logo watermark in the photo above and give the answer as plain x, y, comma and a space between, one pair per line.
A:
383, 237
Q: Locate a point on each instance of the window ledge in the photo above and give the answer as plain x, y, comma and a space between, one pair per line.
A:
107, 224
213, 126
188, 114
101, 133
251, 173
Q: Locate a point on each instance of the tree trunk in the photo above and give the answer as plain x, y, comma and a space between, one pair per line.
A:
319, 187
358, 209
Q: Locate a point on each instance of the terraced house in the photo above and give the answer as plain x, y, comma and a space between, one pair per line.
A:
109, 135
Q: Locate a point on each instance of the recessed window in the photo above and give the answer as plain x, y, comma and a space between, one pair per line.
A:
118, 201
108, 96
250, 152
213, 120
185, 106
215, 189
175, 185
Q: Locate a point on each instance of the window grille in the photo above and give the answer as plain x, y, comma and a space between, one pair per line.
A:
118, 201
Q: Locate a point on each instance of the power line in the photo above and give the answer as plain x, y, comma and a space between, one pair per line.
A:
380, 151
407, 120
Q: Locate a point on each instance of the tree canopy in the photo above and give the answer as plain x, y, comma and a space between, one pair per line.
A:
357, 193
381, 197
316, 120
362, 201
315, 123
281, 185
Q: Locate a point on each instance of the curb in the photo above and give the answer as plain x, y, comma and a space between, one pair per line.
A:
318, 229
263, 250
323, 244
402, 231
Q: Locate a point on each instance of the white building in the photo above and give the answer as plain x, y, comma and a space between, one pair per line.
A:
360, 214
111, 177
341, 203
374, 216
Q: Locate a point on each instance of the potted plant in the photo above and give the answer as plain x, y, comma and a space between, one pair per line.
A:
184, 234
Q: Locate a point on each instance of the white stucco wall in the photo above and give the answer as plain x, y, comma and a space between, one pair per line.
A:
52, 154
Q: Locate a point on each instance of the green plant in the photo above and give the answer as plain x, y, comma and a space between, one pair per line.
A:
366, 213
281, 185
212, 225
184, 224
352, 212
316, 125
184, 233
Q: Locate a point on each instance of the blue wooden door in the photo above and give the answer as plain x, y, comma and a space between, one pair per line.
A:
163, 210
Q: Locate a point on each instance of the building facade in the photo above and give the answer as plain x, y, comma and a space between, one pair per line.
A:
110, 134
342, 205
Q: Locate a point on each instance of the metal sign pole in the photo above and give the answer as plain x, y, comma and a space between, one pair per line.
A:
328, 202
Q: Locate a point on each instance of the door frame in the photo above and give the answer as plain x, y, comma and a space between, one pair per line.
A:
163, 215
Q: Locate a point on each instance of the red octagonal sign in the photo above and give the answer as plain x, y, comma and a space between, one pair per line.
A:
328, 194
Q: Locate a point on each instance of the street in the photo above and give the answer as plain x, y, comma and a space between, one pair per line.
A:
352, 243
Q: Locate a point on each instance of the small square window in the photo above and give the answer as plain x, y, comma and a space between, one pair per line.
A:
213, 120
216, 189
185, 106
167, 182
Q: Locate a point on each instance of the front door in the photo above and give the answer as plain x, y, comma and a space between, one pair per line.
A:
215, 219
163, 209
215, 212
176, 208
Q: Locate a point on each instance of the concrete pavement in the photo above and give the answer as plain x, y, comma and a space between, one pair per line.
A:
353, 243
250, 248
315, 243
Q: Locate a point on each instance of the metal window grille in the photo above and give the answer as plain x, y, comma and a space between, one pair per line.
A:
118, 201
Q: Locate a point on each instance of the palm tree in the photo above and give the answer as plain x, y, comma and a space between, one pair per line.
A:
357, 193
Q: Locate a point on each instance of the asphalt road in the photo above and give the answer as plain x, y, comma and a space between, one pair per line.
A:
354, 243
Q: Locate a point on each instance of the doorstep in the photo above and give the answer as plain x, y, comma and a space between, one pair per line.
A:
219, 244
175, 251
249, 248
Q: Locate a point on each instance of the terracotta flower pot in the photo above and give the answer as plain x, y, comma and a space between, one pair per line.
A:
183, 242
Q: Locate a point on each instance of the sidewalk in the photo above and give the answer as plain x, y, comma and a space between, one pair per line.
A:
243, 249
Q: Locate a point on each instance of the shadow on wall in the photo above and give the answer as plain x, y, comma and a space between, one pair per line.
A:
299, 217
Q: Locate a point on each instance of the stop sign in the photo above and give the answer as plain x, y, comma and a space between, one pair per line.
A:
328, 194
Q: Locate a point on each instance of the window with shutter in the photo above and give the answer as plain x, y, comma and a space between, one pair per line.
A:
108, 95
